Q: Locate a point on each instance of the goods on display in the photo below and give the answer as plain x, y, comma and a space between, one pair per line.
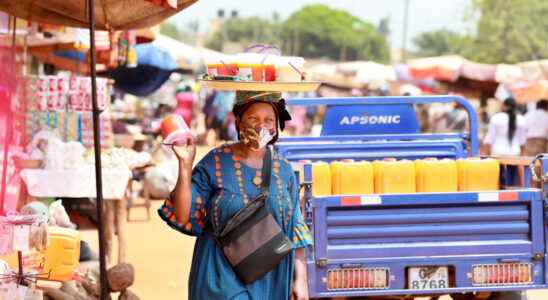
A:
259, 72
349, 177
433, 175
119, 158
63, 103
394, 176
260, 67
63, 253
321, 179
477, 174
26, 236
59, 93
391, 176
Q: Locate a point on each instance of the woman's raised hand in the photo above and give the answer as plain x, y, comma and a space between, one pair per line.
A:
185, 154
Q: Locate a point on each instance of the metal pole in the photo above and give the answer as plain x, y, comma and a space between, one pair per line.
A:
97, 149
405, 23
8, 134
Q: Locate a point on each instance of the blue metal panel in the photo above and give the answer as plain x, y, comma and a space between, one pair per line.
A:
374, 137
371, 150
370, 119
435, 199
537, 224
400, 232
386, 101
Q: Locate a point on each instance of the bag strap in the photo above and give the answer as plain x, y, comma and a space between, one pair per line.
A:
266, 172
265, 189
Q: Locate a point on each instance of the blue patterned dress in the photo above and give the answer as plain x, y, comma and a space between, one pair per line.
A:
221, 185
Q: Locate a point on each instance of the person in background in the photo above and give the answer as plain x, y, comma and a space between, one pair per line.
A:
457, 119
185, 103
537, 129
506, 133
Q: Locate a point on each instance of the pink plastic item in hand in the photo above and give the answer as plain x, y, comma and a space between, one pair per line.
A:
175, 131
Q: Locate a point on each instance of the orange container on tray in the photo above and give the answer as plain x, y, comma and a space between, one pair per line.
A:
257, 72
230, 69
269, 73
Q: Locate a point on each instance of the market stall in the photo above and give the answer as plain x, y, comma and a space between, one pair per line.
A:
110, 15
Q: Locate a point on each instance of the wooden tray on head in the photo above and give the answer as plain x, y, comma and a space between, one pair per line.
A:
266, 86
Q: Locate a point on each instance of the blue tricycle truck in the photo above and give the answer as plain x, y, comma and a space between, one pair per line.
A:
469, 245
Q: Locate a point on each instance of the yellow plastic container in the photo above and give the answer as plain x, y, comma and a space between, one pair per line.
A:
394, 177
62, 253
476, 174
436, 176
321, 179
348, 178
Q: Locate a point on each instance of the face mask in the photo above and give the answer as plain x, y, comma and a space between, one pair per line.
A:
256, 138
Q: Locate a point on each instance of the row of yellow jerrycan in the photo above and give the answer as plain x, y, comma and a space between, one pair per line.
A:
59, 260
391, 176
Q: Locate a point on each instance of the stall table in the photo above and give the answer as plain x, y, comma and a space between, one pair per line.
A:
80, 183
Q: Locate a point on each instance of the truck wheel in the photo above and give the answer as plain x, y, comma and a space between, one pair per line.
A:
509, 296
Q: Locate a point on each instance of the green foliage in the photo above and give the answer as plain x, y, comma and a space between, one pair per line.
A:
508, 31
313, 31
440, 42
318, 30
170, 29
511, 31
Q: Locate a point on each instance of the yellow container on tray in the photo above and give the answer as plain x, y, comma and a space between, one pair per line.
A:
436, 176
348, 177
476, 174
321, 179
394, 177
62, 253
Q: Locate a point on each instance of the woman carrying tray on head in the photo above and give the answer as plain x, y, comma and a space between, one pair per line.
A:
221, 184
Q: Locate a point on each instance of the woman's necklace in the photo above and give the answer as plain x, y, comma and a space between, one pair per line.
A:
257, 180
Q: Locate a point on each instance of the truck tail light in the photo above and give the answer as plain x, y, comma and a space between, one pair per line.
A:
502, 274
357, 278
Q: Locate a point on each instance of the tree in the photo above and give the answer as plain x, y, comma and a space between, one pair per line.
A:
320, 31
384, 27
170, 29
510, 31
440, 42
246, 31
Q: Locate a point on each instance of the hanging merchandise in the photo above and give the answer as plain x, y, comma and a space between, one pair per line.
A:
22, 234
63, 104
105, 123
57, 93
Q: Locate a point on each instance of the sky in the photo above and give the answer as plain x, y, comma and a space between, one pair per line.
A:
424, 15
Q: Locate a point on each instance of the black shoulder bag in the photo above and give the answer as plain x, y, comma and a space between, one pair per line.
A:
251, 240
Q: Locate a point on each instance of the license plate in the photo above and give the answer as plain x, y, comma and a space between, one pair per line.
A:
428, 278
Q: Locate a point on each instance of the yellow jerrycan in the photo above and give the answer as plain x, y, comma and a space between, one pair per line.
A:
476, 174
394, 176
436, 176
352, 178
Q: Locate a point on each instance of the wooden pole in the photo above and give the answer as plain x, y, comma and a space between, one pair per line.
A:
97, 149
